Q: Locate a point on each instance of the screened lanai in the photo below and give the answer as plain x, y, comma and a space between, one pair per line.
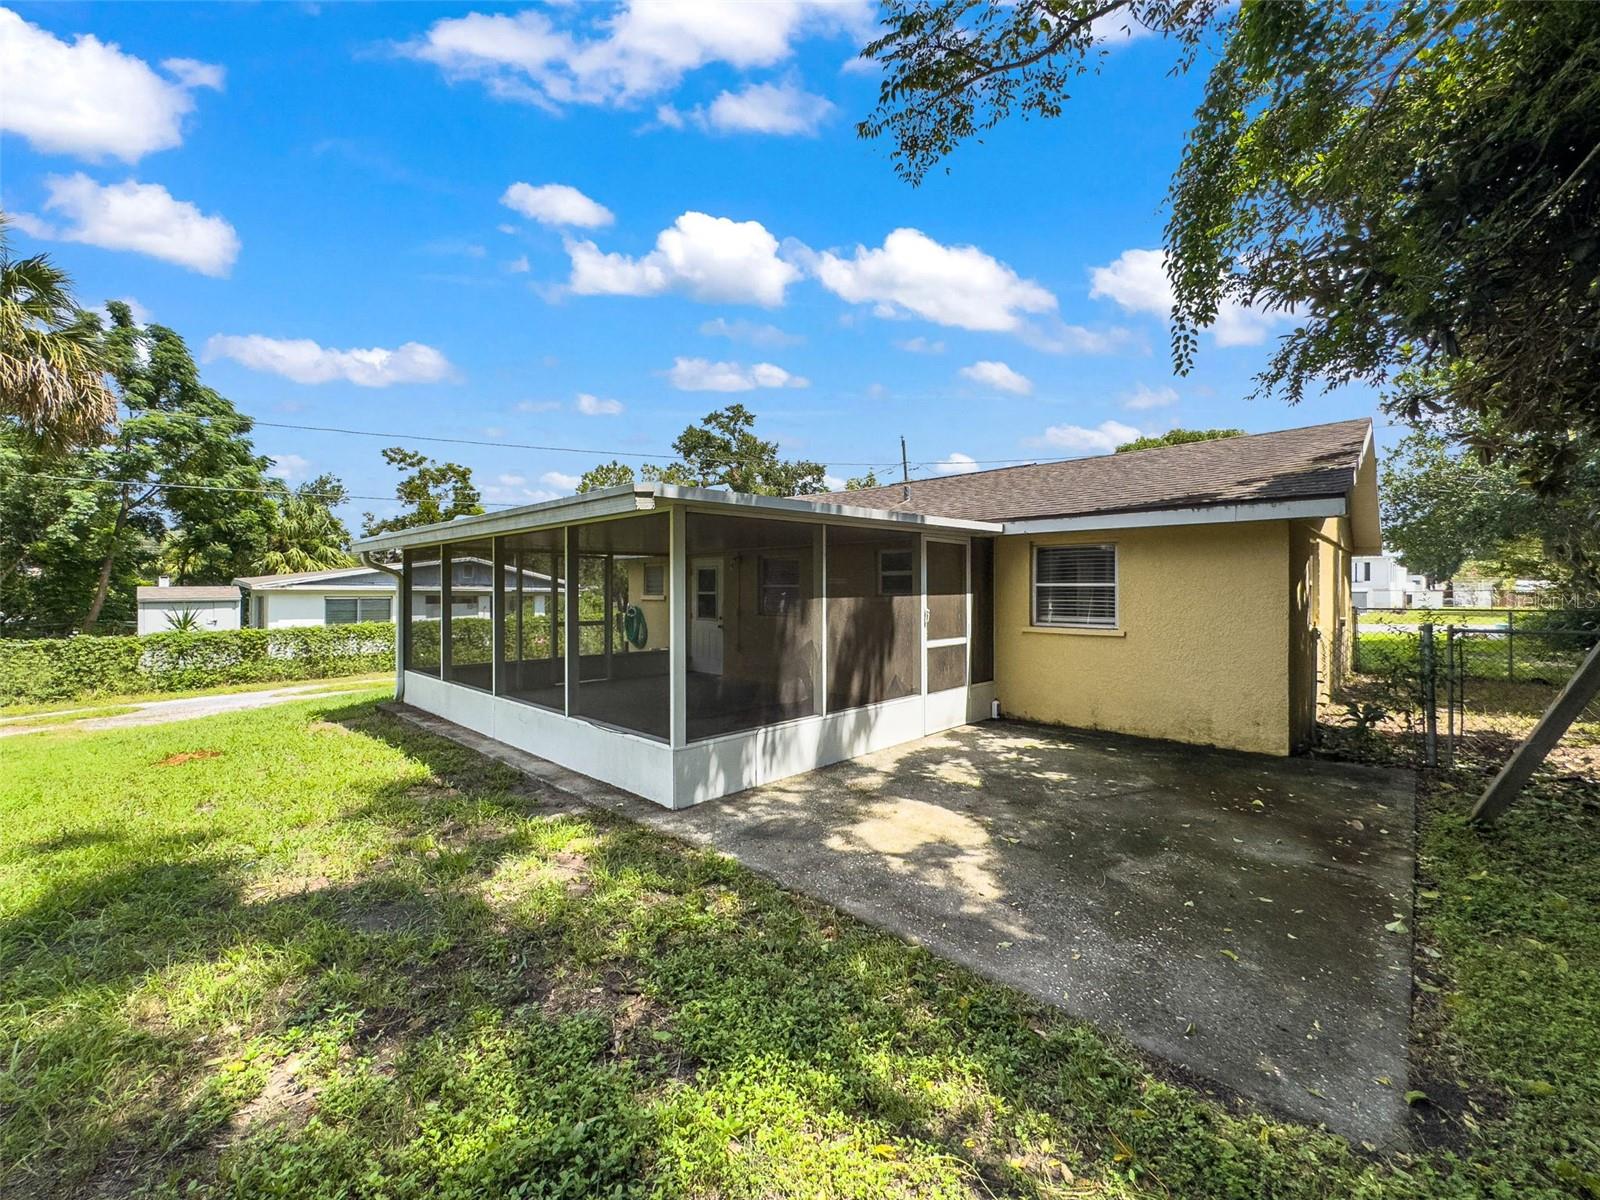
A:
685, 644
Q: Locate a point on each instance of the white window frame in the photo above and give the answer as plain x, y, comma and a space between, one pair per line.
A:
645, 592
1034, 585
909, 572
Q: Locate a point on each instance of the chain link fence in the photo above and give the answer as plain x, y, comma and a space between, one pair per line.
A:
1462, 689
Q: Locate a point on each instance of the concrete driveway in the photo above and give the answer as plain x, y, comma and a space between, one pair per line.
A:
1246, 918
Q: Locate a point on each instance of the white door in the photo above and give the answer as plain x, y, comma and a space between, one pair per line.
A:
946, 617
705, 620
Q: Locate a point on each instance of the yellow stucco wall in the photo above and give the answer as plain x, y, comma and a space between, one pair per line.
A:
657, 626
1201, 651
1319, 616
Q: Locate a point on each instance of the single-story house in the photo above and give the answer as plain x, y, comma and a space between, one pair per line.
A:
165, 608
711, 641
345, 595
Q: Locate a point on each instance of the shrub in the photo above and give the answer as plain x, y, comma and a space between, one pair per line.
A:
77, 667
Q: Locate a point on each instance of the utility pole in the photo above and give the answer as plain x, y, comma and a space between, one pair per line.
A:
905, 470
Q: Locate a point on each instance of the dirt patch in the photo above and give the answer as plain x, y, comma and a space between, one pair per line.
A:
284, 1100
382, 916
186, 756
329, 727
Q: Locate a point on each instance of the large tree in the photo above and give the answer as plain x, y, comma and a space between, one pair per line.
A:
1413, 184
721, 452
52, 360
306, 533
179, 466
430, 491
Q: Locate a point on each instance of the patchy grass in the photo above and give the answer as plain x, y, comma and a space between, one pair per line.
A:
319, 953
65, 708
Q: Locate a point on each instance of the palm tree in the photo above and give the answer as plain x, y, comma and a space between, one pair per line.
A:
52, 361
306, 534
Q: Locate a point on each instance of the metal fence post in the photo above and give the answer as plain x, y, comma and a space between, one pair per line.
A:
1430, 697
1355, 640
1511, 645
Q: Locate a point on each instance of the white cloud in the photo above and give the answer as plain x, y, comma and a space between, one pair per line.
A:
750, 332
833, 483
289, 467
780, 108
1137, 281
709, 258
89, 99
956, 464
921, 345
561, 482
1102, 439
643, 48
1117, 27
141, 217
1143, 398
304, 361
998, 377
594, 406
949, 285
702, 375
192, 73
1055, 336
556, 204
518, 265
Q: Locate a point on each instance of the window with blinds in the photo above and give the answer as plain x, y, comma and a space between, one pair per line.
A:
1075, 586
346, 610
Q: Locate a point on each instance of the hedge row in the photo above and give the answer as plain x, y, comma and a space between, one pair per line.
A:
76, 667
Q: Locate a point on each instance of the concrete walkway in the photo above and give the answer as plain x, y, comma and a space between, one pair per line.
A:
1243, 917
160, 712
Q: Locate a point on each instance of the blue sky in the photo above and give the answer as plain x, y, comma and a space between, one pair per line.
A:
324, 202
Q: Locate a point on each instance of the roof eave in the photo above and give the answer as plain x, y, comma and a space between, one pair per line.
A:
1300, 508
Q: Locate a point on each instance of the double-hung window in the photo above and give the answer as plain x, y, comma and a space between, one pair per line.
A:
654, 581
1075, 587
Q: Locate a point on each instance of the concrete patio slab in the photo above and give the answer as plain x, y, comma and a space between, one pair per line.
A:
1245, 918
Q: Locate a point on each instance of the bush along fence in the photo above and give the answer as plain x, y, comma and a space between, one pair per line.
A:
73, 668
1463, 688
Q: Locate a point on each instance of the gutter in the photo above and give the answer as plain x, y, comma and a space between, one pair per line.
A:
369, 558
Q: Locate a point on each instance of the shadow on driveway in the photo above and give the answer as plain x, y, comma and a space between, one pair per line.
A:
1246, 918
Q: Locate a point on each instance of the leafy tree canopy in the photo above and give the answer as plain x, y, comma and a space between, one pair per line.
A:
431, 491
860, 483
1443, 508
1178, 437
306, 534
179, 467
721, 452
1414, 184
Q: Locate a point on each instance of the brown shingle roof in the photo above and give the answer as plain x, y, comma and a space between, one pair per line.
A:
187, 593
1292, 464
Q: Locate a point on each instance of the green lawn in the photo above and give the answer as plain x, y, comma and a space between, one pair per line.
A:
308, 951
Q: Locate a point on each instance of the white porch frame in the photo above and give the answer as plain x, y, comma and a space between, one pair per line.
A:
676, 772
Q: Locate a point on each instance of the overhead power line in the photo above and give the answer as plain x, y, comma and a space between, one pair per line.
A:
216, 487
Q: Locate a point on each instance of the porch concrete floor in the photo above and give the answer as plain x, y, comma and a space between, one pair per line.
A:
1226, 912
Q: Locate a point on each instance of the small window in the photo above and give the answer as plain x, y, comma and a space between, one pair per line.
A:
895, 573
339, 610
707, 594
780, 585
655, 581
430, 601
372, 608
1075, 586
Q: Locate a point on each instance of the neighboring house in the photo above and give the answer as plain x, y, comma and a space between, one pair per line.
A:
164, 608
1382, 581
726, 640
348, 594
